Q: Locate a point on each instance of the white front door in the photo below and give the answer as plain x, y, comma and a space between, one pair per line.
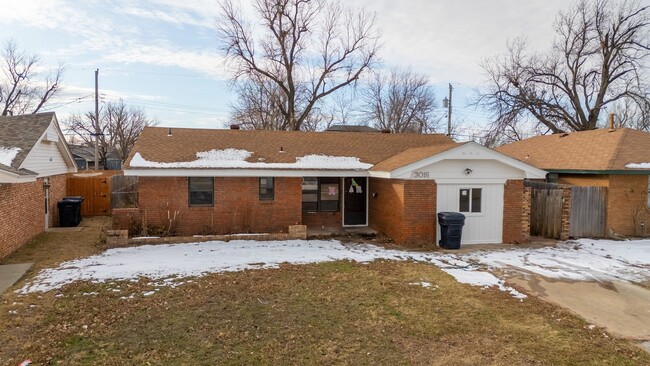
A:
482, 205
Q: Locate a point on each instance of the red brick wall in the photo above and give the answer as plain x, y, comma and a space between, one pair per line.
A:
419, 224
322, 219
386, 207
163, 202
516, 212
58, 190
404, 210
22, 211
627, 201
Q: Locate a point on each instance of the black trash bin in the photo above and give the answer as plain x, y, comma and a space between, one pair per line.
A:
451, 229
70, 211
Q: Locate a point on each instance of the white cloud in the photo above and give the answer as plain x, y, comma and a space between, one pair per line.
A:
206, 62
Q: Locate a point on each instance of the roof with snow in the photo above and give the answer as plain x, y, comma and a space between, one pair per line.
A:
602, 150
247, 149
18, 135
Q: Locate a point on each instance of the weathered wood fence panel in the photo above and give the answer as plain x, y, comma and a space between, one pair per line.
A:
95, 187
546, 212
124, 191
588, 211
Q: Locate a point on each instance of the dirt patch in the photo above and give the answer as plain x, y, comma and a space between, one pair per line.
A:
51, 248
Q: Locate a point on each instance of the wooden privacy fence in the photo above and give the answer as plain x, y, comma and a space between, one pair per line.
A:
588, 211
560, 211
95, 187
547, 201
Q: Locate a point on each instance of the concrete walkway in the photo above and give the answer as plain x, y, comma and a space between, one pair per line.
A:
11, 273
620, 307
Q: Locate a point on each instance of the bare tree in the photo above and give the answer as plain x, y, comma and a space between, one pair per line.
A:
596, 60
401, 102
119, 127
23, 89
301, 52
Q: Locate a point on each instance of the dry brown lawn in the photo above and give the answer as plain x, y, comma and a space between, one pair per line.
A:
331, 313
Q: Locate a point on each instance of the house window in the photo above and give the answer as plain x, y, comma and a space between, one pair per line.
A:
320, 194
470, 200
267, 189
201, 191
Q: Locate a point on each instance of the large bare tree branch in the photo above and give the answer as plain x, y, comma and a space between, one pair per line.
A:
301, 52
598, 59
119, 127
401, 102
23, 89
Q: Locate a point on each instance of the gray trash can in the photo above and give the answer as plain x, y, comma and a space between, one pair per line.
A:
451, 229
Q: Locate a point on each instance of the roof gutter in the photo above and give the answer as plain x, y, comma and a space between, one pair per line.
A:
599, 172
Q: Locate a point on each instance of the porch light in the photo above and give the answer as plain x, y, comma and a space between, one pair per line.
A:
468, 171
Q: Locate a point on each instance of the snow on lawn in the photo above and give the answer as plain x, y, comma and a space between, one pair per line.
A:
581, 260
236, 158
165, 262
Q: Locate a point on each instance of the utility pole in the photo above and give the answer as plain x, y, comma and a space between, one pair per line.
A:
447, 103
97, 119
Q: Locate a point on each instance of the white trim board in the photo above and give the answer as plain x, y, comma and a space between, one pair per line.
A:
243, 173
467, 151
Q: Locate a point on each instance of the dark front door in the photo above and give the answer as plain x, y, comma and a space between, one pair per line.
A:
354, 209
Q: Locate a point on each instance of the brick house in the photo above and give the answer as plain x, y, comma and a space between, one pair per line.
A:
604, 157
34, 161
197, 181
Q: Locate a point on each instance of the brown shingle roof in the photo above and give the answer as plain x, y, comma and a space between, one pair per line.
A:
600, 150
23, 131
154, 144
410, 156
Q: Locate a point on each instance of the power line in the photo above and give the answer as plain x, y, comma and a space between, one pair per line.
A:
61, 104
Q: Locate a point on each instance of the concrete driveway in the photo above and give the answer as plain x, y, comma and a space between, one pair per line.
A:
622, 308
604, 281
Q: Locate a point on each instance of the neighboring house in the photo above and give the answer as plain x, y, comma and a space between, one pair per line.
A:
352, 128
618, 159
34, 161
84, 157
196, 181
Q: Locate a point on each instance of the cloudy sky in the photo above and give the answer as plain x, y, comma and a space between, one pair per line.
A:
162, 55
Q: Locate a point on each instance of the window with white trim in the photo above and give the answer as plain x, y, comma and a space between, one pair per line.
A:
470, 200
201, 191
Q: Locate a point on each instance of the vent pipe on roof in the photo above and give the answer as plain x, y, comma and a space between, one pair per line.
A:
169, 132
611, 122
234, 127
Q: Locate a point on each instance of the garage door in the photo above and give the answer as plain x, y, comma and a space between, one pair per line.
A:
482, 206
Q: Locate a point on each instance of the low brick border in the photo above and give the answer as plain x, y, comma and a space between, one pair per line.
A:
119, 238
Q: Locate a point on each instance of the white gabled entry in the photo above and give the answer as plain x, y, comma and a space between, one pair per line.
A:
484, 227
464, 168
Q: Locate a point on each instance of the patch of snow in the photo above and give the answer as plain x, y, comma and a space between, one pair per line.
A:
235, 158
482, 279
423, 284
169, 262
251, 234
8, 154
148, 293
638, 165
582, 260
